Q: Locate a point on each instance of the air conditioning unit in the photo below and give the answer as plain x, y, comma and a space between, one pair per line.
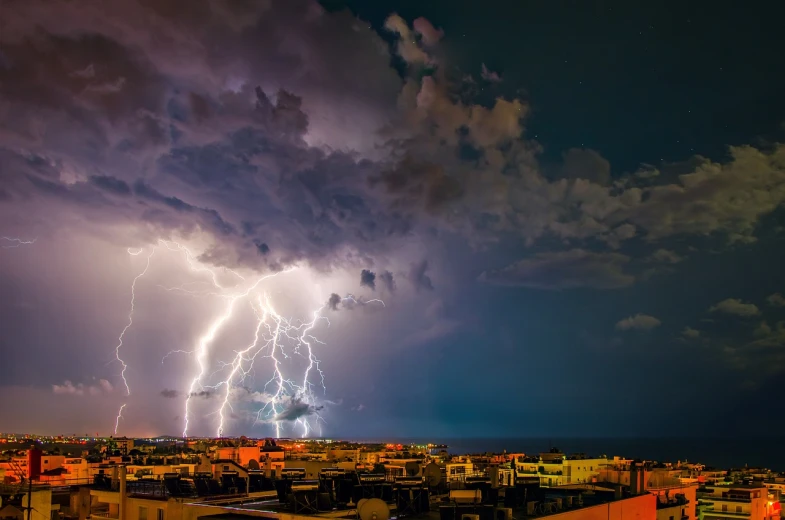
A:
470, 517
466, 496
503, 513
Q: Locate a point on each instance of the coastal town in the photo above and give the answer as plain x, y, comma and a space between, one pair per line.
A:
166, 478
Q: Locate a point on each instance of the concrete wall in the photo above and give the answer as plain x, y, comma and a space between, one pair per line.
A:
584, 470
688, 510
642, 507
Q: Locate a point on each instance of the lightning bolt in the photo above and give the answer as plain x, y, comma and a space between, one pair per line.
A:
127, 326
284, 341
119, 416
203, 344
13, 242
237, 368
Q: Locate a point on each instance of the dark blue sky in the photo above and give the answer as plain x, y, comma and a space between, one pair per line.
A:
637, 83
572, 211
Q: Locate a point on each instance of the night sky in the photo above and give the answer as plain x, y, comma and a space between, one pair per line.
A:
506, 218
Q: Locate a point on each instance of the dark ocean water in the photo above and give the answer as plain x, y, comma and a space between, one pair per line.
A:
766, 452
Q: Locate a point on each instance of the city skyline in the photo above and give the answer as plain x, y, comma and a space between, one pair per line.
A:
392, 220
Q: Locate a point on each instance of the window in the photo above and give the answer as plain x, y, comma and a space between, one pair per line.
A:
738, 509
160, 514
724, 508
671, 517
142, 513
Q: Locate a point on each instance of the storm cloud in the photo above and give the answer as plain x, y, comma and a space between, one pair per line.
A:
368, 279
296, 408
280, 135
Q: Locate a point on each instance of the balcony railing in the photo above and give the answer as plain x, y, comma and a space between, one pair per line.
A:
729, 514
715, 498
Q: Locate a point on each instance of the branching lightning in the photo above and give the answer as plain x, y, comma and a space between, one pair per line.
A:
125, 329
13, 242
287, 343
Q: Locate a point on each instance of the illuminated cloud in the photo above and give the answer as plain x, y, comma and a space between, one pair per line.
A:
103, 387
407, 47
736, 307
489, 75
279, 134
666, 256
690, 333
430, 35
776, 300
638, 322
763, 330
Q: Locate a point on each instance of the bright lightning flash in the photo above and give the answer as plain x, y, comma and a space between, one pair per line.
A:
125, 329
119, 416
280, 339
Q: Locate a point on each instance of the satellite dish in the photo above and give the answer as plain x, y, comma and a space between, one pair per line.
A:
412, 468
433, 474
253, 464
374, 509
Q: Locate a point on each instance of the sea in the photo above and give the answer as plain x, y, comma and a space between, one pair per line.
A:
765, 452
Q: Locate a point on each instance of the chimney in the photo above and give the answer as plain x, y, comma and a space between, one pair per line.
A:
636, 472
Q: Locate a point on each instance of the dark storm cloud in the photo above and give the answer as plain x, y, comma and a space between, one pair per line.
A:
169, 394
368, 279
565, 270
283, 133
388, 281
203, 394
111, 184
418, 276
116, 99
296, 408
334, 301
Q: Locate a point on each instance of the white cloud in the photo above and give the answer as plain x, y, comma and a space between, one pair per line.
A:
638, 322
736, 307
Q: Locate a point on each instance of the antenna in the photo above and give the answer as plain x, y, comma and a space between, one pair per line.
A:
373, 509
433, 475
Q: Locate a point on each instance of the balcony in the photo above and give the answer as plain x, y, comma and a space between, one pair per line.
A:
724, 514
713, 498
712, 513
102, 515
